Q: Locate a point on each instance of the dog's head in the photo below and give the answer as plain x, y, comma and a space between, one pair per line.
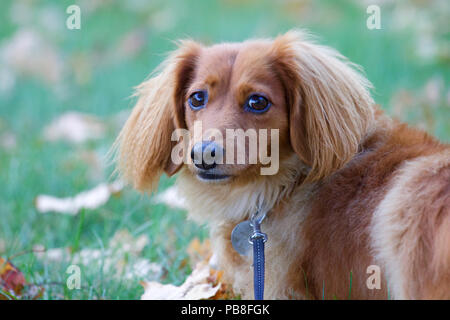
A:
233, 106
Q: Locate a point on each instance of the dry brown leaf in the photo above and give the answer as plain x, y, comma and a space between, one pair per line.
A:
12, 280
120, 259
163, 20
433, 91
26, 52
141, 268
74, 127
8, 141
171, 198
400, 102
225, 291
123, 241
51, 255
131, 44
197, 286
199, 251
203, 283
417, 106
13, 284
90, 199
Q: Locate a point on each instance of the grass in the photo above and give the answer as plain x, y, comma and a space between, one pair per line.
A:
99, 83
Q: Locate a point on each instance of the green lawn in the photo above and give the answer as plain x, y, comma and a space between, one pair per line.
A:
97, 76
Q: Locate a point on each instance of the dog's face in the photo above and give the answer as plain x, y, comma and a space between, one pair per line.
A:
235, 94
243, 108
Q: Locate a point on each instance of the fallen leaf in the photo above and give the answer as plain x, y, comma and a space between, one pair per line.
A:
157, 291
11, 280
163, 20
400, 102
171, 198
74, 127
432, 92
120, 259
199, 251
427, 20
8, 141
13, 284
203, 283
51, 255
417, 106
196, 287
143, 269
225, 291
90, 199
27, 52
123, 241
131, 44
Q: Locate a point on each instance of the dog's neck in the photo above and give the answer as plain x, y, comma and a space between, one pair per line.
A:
209, 203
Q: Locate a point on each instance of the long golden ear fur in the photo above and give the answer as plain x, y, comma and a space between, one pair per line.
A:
144, 144
331, 107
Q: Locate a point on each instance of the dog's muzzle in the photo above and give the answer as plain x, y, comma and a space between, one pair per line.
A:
206, 155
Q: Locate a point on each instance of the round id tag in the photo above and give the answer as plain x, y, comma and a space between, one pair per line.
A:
240, 237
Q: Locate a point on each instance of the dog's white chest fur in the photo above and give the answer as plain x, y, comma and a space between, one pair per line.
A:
222, 207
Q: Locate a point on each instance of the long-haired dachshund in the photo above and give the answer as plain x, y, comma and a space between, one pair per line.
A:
355, 195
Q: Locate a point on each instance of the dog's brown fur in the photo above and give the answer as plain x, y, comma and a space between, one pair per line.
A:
354, 188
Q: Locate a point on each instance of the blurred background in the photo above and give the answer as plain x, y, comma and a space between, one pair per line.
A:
64, 95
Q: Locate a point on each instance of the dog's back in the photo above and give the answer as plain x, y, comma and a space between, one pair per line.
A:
388, 207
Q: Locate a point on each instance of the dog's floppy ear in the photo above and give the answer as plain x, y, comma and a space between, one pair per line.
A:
144, 145
330, 104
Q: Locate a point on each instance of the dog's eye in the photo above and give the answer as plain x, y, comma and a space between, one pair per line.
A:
257, 103
198, 100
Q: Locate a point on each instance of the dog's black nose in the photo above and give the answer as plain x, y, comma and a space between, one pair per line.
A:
204, 154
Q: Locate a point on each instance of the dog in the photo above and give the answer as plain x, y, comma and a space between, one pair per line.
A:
356, 194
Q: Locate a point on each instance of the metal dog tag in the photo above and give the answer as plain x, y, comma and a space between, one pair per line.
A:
240, 238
